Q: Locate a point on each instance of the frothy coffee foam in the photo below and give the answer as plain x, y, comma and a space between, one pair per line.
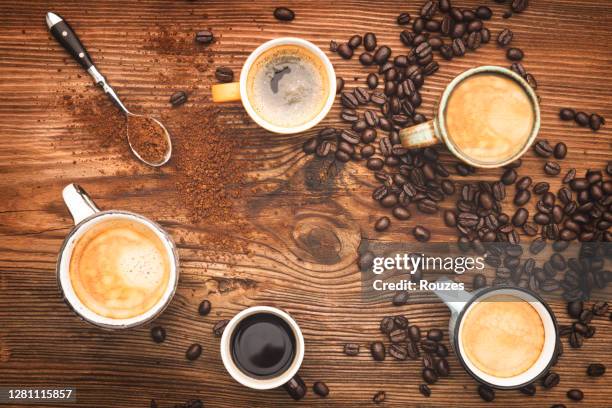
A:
502, 336
489, 117
119, 269
287, 86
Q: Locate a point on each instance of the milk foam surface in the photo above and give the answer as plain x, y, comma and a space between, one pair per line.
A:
119, 269
502, 336
489, 117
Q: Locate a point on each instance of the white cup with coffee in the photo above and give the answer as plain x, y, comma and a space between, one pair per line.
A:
262, 347
287, 85
487, 116
504, 337
116, 269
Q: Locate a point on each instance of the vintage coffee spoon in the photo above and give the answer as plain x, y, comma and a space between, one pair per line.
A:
69, 40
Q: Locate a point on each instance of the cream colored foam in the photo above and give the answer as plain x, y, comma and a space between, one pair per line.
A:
119, 269
502, 336
489, 117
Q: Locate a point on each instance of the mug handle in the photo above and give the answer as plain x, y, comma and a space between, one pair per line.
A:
78, 202
455, 300
229, 92
295, 387
421, 135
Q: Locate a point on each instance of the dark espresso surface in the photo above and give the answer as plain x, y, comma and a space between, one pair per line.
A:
263, 345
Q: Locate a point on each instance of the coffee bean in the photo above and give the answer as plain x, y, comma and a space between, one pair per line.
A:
382, 54
567, 114
354, 41
421, 233
178, 98
504, 37
398, 352
596, 370
550, 380
224, 74
366, 59
339, 84
372, 81
320, 388
379, 397
575, 394
552, 168
414, 333
523, 183
369, 41
351, 349
600, 308
323, 149
425, 390
520, 217
284, 14
522, 197
403, 19
514, 54
508, 177
204, 308
542, 148
193, 352
595, 121
204, 37
382, 224
345, 51
158, 334
377, 349
537, 245
474, 40
429, 376
541, 187
486, 393
458, 47
518, 6
401, 213
400, 298
442, 367
365, 261
582, 119
219, 327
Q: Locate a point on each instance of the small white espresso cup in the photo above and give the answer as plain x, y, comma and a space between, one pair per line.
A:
288, 378
460, 302
86, 215
237, 91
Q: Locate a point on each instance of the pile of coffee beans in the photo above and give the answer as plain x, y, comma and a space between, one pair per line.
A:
582, 328
595, 121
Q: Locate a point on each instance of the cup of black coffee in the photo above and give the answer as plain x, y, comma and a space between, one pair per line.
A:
262, 348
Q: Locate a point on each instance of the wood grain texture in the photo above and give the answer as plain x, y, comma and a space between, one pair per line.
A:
303, 228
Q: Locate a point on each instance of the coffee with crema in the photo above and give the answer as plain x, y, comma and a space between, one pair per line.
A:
503, 336
489, 118
119, 268
287, 86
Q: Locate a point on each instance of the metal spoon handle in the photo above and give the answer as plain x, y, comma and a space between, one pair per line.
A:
65, 35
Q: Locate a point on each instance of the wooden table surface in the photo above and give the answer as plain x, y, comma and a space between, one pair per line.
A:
298, 244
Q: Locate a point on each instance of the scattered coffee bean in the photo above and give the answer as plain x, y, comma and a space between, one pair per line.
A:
369, 41
486, 393
425, 390
355, 41
514, 54
339, 84
529, 389
158, 334
600, 308
377, 349
400, 298
560, 150
351, 349
429, 375
552, 168
382, 224
345, 51
479, 281
219, 327
596, 370
284, 14
320, 388
596, 121
204, 37
567, 114
178, 98
193, 352
365, 261
403, 19
582, 119
542, 148
421, 233
504, 37
575, 394
204, 308
550, 380
435, 335
224, 74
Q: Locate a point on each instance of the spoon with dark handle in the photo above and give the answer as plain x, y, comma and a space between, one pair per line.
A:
62, 32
